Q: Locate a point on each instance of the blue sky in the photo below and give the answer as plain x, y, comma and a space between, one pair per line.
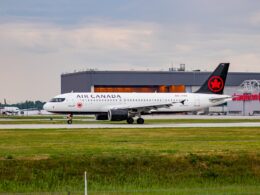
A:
39, 40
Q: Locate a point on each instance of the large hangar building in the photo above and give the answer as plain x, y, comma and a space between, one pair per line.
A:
162, 82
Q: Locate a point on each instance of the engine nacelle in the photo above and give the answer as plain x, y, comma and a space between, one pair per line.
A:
101, 117
117, 115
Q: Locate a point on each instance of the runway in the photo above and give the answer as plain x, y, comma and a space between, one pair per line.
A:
125, 126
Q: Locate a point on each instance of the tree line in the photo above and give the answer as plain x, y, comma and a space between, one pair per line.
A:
27, 105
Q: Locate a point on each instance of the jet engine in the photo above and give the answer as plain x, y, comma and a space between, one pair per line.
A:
101, 116
117, 115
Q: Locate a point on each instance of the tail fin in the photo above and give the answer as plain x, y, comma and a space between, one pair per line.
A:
216, 82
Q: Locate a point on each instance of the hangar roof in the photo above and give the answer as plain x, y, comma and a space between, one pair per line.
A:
82, 81
157, 77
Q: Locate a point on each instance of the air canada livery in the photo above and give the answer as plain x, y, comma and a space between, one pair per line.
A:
126, 106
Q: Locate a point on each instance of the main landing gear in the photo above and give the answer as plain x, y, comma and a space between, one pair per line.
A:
130, 120
69, 119
140, 121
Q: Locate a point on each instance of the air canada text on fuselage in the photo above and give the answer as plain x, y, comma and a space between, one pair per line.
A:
96, 96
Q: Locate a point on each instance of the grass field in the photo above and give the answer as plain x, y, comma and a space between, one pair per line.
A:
131, 161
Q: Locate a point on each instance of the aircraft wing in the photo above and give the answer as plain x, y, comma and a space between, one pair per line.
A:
147, 108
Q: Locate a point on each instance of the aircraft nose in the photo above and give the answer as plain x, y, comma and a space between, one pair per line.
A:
46, 106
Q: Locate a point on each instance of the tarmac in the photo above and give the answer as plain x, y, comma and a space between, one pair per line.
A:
120, 125
126, 126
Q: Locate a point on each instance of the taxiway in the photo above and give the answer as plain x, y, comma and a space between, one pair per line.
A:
105, 126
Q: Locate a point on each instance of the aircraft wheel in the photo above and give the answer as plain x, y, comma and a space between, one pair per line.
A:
130, 120
69, 122
140, 121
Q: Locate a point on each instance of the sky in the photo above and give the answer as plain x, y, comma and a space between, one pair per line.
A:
40, 40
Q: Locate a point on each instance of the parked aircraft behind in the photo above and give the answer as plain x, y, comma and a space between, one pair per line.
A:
10, 110
126, 106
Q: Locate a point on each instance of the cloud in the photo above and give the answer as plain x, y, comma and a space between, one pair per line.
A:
251, 62
132, 44
255, 19
35, 54
50, 38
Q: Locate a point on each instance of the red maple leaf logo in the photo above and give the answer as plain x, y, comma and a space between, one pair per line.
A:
79, 105
216, 84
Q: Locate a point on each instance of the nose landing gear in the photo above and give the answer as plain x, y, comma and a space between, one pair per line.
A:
69, 119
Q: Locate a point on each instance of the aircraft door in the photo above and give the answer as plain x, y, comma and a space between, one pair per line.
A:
71, 103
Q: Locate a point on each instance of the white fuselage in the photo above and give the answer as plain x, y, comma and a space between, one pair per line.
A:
103, 102
10, 110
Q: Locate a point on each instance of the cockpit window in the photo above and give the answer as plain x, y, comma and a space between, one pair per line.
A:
57, 100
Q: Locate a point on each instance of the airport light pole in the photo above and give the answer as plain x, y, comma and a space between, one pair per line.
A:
27, 108
86, 184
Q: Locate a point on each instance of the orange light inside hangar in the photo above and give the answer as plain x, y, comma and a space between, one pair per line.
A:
141, 89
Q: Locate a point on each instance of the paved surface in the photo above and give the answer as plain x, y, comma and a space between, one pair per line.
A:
95, 126
173, 116
117, 125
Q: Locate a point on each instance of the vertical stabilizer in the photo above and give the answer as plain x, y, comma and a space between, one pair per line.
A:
216, 82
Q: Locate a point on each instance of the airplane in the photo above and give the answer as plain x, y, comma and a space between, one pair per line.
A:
7, 110
13, 110
126, 106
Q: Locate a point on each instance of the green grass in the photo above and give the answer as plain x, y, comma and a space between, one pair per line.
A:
132, 161
156, 141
